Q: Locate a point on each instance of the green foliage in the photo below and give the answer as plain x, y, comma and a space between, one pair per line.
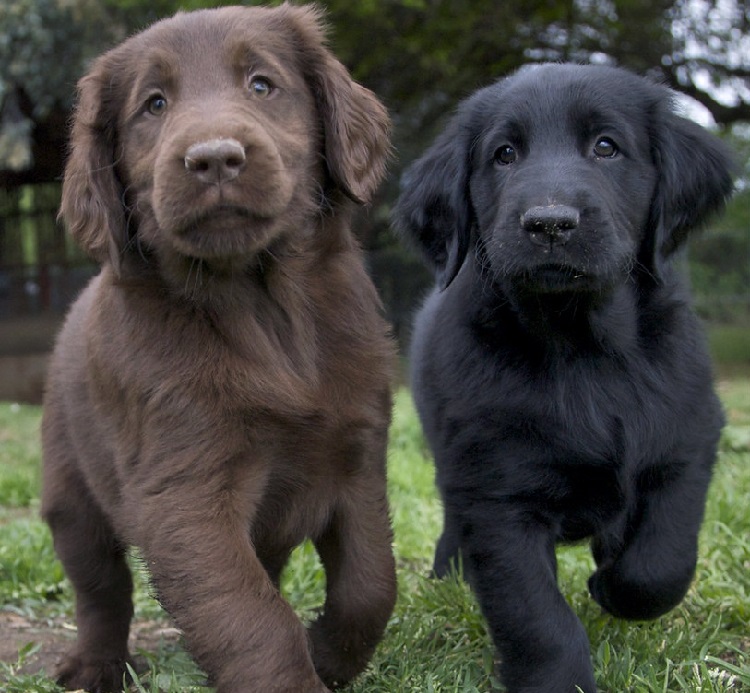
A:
19, 455
16, 681
183, 675
730, 343
29, 574
43, 48
736, 397
720, 263
39, 33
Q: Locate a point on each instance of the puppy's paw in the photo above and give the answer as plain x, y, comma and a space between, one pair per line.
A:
599, 591
79, 672
635, 595
337, 661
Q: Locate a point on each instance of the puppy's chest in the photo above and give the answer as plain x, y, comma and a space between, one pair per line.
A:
568, 416
589, 412
310, 469
576, 444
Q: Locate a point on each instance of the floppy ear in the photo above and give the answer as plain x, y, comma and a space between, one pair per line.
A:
356, 125
694, 181
434, 208
92, 206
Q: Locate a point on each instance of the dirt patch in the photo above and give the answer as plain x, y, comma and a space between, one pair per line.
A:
18, 631
55, 636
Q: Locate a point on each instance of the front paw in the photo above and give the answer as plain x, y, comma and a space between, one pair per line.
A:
79, 672
339, 654
637, 595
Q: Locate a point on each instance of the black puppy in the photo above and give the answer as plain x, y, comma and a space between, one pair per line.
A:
558, 368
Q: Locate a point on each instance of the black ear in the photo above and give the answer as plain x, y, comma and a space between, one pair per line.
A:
434, 208
695, 171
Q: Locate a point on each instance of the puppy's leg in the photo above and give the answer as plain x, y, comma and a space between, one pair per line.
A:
357, 555
511, 558
447, 553
274, 563
649, 570
237, 625
95, 563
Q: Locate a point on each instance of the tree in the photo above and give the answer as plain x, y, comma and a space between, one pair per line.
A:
43, 46
420, 56
710, 60
423, 55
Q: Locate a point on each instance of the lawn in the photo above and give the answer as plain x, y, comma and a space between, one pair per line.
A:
436, 640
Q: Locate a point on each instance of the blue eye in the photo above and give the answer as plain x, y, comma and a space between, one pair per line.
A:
157, 105
260, 87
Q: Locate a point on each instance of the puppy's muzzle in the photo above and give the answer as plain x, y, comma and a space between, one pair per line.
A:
216, 161
551, 224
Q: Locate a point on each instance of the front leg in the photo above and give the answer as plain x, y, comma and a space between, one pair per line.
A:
645, 568
448, 550
236, 624
511, 560
357, 554
95, 561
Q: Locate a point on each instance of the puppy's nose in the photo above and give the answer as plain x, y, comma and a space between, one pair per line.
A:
551, 224
215, 161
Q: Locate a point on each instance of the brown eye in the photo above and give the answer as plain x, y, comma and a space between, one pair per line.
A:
260, 87
605, 148
157, 105
505, 155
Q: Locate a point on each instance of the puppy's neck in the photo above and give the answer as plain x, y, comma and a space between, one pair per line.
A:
572, 324
207, 283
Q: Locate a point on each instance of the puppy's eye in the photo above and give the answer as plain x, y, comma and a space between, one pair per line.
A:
505, 155
260, 87
605, 148
156, 105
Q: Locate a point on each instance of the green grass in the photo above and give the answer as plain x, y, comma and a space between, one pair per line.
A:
436, 641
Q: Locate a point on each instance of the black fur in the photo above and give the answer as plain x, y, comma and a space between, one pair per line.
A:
559, 371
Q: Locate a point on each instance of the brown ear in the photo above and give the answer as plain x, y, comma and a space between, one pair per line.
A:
356, 125
92, 206
356, 131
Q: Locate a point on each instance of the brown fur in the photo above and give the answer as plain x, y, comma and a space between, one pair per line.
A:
220, 391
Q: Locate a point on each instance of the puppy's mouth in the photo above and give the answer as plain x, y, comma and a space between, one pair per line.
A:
219, 218
556, 278
222, 231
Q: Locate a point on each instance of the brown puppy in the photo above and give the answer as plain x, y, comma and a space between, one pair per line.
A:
220, 391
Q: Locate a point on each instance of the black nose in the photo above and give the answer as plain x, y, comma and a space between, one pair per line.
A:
551, 224
215, 161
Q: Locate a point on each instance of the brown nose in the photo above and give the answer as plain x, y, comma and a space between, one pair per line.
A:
215, 161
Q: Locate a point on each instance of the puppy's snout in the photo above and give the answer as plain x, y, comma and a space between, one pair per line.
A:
551, 224
215, 161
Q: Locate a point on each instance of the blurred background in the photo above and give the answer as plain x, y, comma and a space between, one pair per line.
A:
421, 57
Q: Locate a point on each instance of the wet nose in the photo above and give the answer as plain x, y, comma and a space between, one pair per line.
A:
550, 224
215, 161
